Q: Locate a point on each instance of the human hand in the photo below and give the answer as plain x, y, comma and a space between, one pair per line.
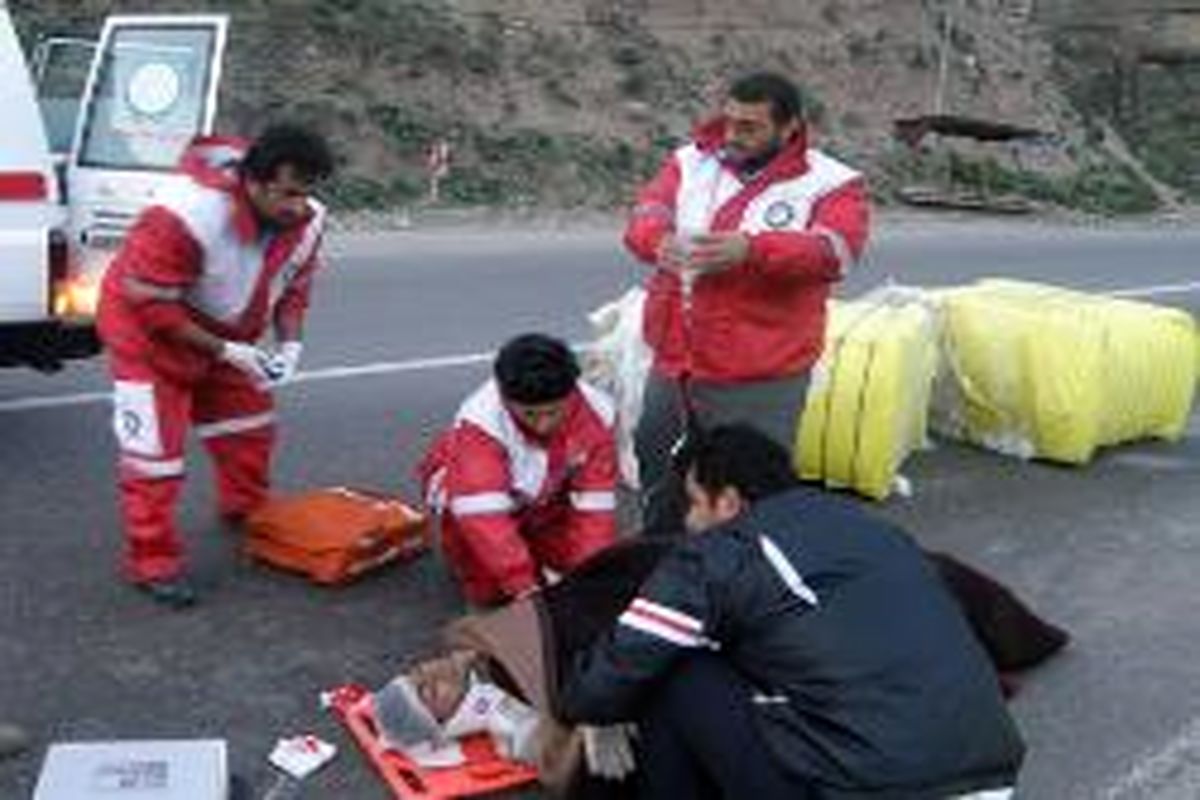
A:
670, 255
608, 750
284, 363
715, 252
254, 361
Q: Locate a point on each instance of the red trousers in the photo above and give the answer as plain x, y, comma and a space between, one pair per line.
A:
153, 410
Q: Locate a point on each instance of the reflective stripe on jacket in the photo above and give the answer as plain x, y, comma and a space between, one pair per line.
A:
500, 484
867, 676
200, 254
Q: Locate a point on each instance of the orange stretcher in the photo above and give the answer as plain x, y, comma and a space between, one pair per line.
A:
485, 770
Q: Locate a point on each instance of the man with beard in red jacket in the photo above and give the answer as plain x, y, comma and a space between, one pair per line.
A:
525, 478
746, 229
182, 308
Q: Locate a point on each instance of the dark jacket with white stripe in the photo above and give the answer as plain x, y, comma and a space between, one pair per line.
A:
865, 673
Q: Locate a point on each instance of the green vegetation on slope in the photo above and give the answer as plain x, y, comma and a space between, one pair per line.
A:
572, 104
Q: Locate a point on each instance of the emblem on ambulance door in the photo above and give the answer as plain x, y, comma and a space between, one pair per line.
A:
779, 214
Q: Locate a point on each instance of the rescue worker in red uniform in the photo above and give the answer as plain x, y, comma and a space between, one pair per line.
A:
201, 275
525, 477
746, 230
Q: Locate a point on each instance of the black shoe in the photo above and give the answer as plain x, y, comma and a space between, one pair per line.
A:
171, 592
13, 740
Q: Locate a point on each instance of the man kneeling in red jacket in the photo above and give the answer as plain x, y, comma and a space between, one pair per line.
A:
524, 479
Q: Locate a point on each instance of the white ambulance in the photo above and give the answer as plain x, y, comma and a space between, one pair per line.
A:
91, 135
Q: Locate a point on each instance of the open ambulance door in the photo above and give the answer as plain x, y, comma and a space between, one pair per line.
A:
151, 89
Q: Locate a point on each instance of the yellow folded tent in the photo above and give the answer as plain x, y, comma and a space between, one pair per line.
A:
1037, 371
868, 400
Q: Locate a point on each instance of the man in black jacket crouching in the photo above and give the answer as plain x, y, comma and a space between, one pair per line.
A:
797, 648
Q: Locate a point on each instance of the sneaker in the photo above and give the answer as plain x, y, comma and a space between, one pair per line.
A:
172, 592
13, 740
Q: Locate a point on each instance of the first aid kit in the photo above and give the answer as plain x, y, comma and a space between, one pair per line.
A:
335, 534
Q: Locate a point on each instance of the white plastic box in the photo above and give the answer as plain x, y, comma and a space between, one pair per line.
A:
192, 769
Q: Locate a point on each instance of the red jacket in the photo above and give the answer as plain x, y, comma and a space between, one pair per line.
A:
500, 484
807, 217
202, 253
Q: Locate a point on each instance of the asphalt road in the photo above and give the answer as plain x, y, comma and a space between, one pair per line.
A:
399, 334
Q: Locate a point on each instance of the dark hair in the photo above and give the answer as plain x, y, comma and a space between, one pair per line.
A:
737, 456
306, 150
769, 87
534, 368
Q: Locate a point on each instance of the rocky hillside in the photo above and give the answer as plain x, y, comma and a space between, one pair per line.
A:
1135, 64
571, 102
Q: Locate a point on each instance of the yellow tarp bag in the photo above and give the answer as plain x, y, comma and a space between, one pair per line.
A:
868, 400
1038, 371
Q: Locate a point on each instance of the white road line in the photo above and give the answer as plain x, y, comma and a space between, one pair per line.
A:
389, 367
52, 401
1155, 291
444, 362
1171, 772
328, 374
1154, 462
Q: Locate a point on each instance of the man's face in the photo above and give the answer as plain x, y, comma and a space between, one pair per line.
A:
281, 201
543, 419
751, 131
707, 510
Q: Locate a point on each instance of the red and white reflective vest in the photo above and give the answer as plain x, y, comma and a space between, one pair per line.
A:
807, 218
203, 253
499, 483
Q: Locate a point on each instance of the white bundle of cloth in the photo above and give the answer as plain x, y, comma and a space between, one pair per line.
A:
618, 361
407, 725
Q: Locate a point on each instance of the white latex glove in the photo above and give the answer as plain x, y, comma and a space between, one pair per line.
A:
254, 361
608, 750
284, 363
